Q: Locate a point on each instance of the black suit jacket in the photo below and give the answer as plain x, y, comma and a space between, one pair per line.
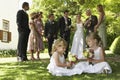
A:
51, 29
63, 26
23, 29
92, 22
22, 21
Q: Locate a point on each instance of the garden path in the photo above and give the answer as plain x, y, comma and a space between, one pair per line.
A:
14, 59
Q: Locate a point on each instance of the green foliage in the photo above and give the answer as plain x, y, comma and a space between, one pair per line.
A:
58, 6
8, 53
115, 47
113, 6
113, 28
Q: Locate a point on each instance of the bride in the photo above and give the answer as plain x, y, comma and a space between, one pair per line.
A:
78, 39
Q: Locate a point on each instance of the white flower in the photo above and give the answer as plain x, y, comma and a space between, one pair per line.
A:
52, 22
71, 58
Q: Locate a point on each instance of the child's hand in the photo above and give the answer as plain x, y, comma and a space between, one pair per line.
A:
69, 64
90, 59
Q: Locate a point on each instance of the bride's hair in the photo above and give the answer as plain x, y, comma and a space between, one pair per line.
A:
78, 17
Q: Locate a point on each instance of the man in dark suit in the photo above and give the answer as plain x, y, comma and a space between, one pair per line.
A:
65, 29
51, 30
23, 32
90, 22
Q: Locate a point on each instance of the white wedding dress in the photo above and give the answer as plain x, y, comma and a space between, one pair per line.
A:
78, 42
61, 71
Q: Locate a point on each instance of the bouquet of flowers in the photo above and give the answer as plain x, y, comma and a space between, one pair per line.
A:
72, 59
89, 54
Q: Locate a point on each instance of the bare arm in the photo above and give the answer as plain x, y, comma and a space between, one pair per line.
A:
35, 32
82, 59
100, 19
102, 56
86, 22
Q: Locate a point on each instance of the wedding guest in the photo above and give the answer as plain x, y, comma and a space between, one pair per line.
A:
23, 32
101, 25
97, 63
51, 30
39, 26
65, 29
33, 37
58, 65
90, 22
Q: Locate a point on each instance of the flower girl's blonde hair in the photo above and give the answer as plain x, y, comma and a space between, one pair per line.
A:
56, 43
94, 35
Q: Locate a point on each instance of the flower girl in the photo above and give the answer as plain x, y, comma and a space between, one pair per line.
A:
58, 66
96, 63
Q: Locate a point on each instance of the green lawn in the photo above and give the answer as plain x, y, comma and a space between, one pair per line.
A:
36, 70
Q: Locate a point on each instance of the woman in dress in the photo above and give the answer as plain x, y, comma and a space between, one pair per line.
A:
98, 63
101, 25
39, 27
58, 65
78, 39
32, 41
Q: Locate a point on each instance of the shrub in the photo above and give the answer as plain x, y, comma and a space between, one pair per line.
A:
115, 46
113, 28
8, 53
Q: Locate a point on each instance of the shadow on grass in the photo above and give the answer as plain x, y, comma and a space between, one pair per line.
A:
36, 70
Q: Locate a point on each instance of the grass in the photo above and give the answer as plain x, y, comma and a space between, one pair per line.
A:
36, 70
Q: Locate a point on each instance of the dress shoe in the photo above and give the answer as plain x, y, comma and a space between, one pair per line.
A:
19, 59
